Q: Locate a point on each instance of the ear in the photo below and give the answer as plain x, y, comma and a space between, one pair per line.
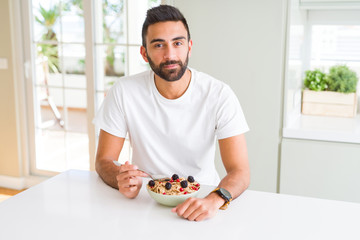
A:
190, 47
143, 53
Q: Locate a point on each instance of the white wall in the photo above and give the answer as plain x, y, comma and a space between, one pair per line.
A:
241, 42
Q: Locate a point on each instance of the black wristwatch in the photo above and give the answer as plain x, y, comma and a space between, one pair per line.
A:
222, 192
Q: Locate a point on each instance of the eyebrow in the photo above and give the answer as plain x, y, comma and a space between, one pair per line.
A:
162, 40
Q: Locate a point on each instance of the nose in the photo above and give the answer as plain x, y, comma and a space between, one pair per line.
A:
170, 52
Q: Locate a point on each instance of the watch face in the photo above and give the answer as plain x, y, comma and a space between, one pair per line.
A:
225, 193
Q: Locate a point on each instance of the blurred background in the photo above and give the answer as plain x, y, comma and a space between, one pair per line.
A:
58, 58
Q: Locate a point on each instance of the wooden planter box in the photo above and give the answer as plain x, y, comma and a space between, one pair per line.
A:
327, 103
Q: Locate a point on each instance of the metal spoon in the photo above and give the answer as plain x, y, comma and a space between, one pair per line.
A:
155, 177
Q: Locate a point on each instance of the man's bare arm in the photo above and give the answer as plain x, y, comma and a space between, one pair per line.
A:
108, 150
235, 159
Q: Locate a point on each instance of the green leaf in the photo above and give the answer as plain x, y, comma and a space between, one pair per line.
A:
342, 79
315, 80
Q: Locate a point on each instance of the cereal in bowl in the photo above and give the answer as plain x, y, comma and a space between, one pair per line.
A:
174, 186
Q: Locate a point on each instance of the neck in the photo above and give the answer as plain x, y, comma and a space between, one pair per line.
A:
173, 90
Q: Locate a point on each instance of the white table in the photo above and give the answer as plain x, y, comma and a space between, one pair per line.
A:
78, 205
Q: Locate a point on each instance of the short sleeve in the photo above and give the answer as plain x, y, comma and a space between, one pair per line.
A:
230, 119
110, 117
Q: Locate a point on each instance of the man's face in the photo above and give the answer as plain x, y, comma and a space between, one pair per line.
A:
167, 49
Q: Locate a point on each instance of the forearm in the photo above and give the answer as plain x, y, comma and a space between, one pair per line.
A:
236, 182
235, 158
107, 171
109, 149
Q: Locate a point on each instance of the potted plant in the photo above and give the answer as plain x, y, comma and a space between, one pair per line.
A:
332, 94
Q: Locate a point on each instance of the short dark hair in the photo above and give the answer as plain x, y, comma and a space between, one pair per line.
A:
162, 13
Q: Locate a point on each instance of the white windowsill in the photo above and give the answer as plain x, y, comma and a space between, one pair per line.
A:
334, 129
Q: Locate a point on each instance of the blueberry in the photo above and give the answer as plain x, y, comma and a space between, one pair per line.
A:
191, 179
168, 186
184, 184
151, 183
175, 176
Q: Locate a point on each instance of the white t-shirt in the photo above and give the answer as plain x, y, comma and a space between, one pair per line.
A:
173, 136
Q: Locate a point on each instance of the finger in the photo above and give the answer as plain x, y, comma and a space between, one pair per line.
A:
130, 182
131, 192
181, 208
127, 167
144, 173
131, 188
126, 189
196, 213
124, 185
129, 174
201, 217
194, 206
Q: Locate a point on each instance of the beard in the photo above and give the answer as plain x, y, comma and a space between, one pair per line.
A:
169, 75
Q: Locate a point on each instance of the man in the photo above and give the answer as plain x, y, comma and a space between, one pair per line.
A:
173, 115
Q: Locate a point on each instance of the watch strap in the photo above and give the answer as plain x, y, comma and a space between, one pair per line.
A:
227, 201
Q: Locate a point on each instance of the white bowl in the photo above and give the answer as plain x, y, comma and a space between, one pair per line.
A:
170, 200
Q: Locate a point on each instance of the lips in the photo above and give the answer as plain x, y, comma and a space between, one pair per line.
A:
171, 66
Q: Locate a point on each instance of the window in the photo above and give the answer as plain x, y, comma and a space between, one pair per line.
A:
64, 67
320, 37
335, 44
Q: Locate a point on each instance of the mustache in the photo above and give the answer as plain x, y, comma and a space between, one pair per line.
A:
170, 63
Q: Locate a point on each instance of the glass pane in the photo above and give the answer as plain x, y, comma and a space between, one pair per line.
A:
50, 154
72, 21
136, 62
73, 58
75, 81
46, 20
48, 65
77, 150
137, 13
49, 108
112, 17
76, 99
59, 151
153, 3
61, 102
71, 141
111, 63
335, 43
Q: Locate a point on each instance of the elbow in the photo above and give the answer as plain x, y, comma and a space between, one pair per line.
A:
98, 165
246, 179
247, 182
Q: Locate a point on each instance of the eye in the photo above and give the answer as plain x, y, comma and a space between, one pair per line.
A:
158, 45
178, 43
